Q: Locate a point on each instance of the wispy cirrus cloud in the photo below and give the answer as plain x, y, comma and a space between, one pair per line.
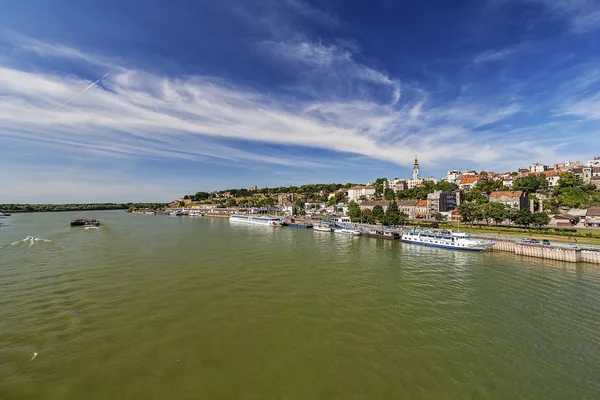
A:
139, 113
583, 16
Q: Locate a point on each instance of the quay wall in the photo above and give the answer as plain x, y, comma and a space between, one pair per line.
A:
559, 253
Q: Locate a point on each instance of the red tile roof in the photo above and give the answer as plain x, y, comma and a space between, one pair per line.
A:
469, 179
421, 203
516, 193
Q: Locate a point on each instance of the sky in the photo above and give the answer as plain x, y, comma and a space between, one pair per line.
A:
150, 100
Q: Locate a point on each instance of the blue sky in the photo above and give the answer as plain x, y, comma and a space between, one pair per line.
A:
207, 95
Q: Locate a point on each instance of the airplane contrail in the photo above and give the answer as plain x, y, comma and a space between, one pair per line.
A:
83, 91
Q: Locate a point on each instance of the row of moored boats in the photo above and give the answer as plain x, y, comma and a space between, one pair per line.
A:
432, 238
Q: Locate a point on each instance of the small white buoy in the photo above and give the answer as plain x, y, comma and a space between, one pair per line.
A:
34, 356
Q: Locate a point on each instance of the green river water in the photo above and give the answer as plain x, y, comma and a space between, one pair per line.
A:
161, 307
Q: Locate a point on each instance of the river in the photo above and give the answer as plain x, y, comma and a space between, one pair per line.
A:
163, 307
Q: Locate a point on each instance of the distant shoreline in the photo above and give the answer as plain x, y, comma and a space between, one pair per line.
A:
31, 208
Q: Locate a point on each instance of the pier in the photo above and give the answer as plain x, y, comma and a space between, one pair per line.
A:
573, 254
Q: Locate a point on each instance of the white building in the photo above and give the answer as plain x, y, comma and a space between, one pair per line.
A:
416, 179
594, 163
537, 167
397, 184
452, 176
355, 193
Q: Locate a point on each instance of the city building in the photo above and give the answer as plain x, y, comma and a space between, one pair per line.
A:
584, 173
440, 201
416, 179
467, 182
537, 167
594, 163
421, 209
452, 176
511, 199
398, 185
357, 193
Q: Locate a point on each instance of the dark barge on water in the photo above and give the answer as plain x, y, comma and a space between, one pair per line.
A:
85, 222
383, 234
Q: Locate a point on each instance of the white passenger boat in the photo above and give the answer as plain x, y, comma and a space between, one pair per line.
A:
249, 219
446, 239
346, 231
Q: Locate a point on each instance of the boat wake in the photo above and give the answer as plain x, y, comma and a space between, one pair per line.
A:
30, 240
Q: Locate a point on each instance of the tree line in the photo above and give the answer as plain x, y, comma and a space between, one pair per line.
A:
17, 208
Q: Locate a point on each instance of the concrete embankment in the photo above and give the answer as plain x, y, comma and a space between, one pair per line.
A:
553, 252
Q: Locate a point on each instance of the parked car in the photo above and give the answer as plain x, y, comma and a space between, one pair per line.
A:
527, 240
546, 242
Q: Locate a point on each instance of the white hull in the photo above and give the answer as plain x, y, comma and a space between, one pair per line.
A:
445, 240
322, 228
255, 220
347, 232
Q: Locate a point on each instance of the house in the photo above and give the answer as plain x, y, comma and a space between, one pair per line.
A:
592, 217
421, 209
564, 220
552, 176
343, 191
440, 201
596, 181
455, 216
468, 182
511, 199
357, 192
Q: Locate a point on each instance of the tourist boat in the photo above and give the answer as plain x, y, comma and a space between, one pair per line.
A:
322, 227
176, 213
346, 231
446, 239
248, 219
297, 223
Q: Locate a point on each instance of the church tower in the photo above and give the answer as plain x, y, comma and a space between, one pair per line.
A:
416, 169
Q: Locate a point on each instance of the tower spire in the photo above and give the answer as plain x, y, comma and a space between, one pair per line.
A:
416, 168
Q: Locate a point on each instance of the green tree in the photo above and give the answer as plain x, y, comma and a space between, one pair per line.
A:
354, 211
388, 194
367, 217
523, 218
486, 187
469, 212
379, 187
496, 212
530, 183
446, 186
231, 202
540, 219
392, 214
439, 217
378, 213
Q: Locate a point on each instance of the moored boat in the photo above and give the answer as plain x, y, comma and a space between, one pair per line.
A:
346, 231
322, 227
249, 219
446, 239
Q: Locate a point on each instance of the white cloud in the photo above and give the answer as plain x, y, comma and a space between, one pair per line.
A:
137, 113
